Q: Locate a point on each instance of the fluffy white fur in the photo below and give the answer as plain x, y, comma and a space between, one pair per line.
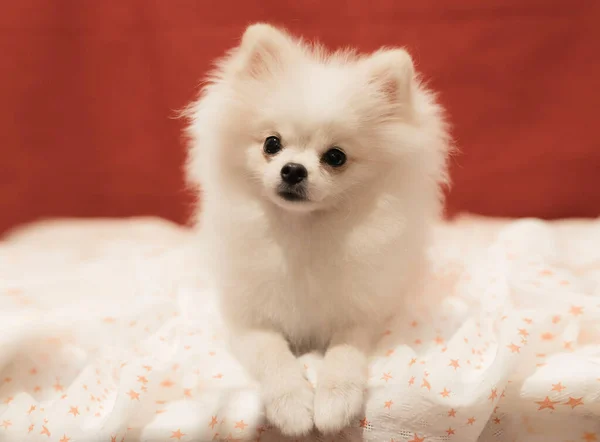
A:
324, 273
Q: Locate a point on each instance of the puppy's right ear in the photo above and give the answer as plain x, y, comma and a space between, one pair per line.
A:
263, 50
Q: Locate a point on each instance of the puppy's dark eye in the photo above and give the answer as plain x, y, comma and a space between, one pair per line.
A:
272, 145
334, 157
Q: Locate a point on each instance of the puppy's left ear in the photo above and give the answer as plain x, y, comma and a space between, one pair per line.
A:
392, 72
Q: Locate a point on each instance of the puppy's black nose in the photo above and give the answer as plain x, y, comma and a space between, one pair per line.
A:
293, 173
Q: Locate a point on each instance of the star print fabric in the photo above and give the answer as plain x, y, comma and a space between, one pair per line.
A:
109, 332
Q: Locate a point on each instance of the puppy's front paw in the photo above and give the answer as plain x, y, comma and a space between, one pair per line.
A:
337, 402
292, 410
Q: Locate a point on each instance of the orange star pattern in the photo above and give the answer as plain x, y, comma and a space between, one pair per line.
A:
445, 393
417, 438
74, 411
187, 392
426, 384
389, 352
514, 348
133, 395
576, 310
218, 376
450, 431
388, 405
454, 363
589, 437
471, 421
497, 420
142, 379
241, 425
523, 332
452, 413
364, 423
411, 381
386, 376
573, 402
45, 431
568, 345
58, 386
546, 403
213, 421
555, 319
65, 439
412, 362
177, 434
558, 387
493, 394
547, 336
31, 409
528, 320
6, 424
30, 429
167, 383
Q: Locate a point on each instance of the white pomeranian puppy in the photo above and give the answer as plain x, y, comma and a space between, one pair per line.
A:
320, 176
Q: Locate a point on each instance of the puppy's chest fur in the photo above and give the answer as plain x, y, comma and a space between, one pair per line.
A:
308, 279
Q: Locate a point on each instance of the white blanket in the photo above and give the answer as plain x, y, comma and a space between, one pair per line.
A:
106, 335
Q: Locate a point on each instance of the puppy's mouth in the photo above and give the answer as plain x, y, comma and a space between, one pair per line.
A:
292, 193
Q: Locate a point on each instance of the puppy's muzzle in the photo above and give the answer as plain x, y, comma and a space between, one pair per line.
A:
293, 182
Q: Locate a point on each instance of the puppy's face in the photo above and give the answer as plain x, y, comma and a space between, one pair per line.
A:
308, 152
313, 130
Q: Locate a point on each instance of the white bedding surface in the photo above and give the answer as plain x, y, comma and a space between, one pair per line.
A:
105, 335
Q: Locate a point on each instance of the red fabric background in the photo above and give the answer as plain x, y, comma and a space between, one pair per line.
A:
87, 89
